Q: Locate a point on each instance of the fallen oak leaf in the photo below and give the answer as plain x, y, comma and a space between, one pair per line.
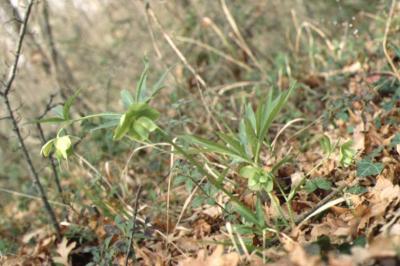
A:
64, 249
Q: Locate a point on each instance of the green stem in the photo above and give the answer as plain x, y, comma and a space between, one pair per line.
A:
257, 154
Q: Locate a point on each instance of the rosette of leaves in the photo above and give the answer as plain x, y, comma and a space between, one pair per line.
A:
139, 120
137, 123
258, 178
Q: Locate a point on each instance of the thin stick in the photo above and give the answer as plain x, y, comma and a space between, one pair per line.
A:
181, 56
173, 46
241, 42
170, 177
214, 50
325, 200
5, 94
384, 43
128, 252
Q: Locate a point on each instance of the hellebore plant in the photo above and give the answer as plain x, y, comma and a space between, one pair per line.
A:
243, 148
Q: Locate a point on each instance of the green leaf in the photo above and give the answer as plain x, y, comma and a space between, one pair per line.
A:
141, 85
159, 84
122, 128
127, 123
233, 144
322, 183
146, 123
62, 145
269, 185
68, 103
368, 168
347, 154
326, 145
251, 135
211, 146
47, 148
246, 213
127, 98
142, 128
250, 116
267, 111
58, 111
310, 186
258, 179
260, 213
248, 171
357, 190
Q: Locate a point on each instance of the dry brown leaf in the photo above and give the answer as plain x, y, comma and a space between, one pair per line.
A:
64, 249
201, 228
217, 258
296, 178
298, 255
359, 137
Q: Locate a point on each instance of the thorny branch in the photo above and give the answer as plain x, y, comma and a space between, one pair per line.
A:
5, 94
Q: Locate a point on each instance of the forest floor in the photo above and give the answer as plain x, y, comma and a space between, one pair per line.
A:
333, 153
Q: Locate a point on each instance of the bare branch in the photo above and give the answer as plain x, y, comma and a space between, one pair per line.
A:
14, 120
13, 70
